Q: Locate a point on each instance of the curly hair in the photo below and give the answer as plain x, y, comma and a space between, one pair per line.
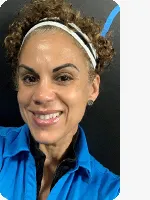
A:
36, 10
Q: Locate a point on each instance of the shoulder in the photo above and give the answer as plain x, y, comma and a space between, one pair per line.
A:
3, 136
5, 130
7, 136
6, 133
107, 181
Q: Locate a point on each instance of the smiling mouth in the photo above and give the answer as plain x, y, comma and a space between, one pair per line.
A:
48, 116
47, 119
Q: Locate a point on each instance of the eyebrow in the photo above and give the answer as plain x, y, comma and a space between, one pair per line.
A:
54, 70
27, 68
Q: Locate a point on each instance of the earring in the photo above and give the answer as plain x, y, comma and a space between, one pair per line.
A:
90, 102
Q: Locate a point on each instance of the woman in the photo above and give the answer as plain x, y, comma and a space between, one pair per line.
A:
56, 56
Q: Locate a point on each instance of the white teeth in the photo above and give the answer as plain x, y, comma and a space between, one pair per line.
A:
51, 116
41, 116
55, 115
46, 117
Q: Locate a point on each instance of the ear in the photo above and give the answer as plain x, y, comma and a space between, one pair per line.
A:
94, 88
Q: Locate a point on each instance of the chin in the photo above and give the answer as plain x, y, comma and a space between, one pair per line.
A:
46, 137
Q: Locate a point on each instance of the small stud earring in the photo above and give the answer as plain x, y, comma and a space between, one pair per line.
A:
90, 102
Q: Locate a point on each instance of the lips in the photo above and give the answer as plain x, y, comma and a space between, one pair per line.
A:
46, 118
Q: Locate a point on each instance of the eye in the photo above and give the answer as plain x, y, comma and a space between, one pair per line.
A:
64, 78
29, 79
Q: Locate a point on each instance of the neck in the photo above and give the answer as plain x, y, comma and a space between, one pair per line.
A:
55, 152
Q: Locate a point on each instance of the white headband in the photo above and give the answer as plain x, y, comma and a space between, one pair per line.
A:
92, 55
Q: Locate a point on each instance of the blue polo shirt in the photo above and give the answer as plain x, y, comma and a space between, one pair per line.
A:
88, 180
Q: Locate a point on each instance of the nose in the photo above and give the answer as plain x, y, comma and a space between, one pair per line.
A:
43, 94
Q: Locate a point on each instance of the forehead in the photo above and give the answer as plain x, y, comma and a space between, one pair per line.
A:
55, 47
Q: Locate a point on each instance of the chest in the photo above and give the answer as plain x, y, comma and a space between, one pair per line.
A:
46, 183
44, 192
18, 180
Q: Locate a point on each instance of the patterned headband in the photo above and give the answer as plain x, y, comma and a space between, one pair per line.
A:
81, 37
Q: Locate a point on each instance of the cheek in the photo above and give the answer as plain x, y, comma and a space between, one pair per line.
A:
23, 96
77, 97
21, 101
77, 102
82, 91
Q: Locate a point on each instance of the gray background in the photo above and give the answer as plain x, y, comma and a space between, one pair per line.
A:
101, 122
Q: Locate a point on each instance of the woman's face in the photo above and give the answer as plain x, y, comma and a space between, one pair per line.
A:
53, 86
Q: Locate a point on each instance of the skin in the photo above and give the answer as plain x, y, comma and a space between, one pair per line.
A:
48, 89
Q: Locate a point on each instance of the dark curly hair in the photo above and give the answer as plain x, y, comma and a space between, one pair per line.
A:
36, 10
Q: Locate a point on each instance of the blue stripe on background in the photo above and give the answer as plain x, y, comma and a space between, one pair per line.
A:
109, 20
